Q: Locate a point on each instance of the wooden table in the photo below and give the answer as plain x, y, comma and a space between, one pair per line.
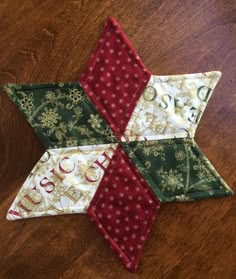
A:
51, 41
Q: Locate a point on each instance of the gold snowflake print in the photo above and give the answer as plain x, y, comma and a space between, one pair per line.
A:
75, 95
50, 95
171, 180
109, 134
202, 171
70, 142
95, 121
180, 155
58, 193
26, 102
153, 148
49, 118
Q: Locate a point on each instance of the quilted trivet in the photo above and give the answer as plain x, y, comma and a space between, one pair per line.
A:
118, 142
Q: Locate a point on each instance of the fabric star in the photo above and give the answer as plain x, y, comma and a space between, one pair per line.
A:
117, 143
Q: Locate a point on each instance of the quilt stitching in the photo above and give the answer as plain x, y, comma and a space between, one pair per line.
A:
111, 30
99, 195
201, 157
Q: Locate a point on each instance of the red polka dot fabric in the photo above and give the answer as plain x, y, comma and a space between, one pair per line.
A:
124, 208
115, 77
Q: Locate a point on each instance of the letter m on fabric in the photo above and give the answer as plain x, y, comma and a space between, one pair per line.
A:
117, 143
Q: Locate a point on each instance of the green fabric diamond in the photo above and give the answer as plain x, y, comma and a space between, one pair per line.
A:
176, 169
61, 114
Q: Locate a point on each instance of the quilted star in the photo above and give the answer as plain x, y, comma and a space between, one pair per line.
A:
117, 143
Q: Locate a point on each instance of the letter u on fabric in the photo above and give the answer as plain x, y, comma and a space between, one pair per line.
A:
117, 143
64, 181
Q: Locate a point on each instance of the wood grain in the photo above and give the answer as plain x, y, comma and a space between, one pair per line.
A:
51, 41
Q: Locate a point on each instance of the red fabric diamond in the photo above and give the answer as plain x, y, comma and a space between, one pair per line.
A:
115, 77
124, 208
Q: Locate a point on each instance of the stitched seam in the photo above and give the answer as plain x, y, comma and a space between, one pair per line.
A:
42, 166
166, 137
104, 123
67, 86
203, 77
202, 111
211, 76
149, 175
179, 194
210, 168
151, 209
148, 196
202, 160
111, 30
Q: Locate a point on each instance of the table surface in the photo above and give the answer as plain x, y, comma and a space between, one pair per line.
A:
51, 41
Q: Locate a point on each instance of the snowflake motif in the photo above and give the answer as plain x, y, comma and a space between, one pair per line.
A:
70, 142
57, 194
109, 134
49, 118
202, 171
154, 148
49, 95
95, 121
171, 180
94, 141
180, 155
183, 168
75, 95
27, 102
